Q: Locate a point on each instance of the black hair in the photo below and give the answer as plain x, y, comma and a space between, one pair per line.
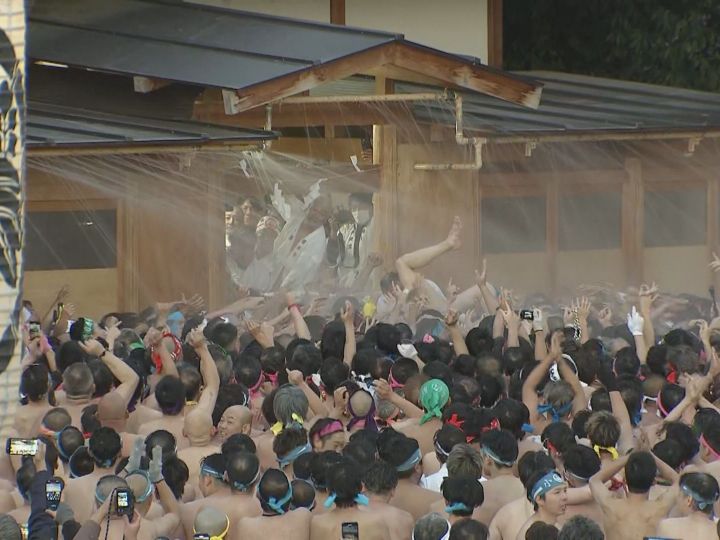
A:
632, 394
224, 334
600, 400
56, 419
396, 450
332, 344
248, 370
465, 490
24, 478
657, 359
306, 358
365, 361
627, 362
491, 390
512, 415
289, 439
272, 359
301, 466
671, 452
89, 421
345, 481
332, 373
588, 365
469, 529
531, 463
445, 439
361, 453
704, 418
35, 382
438, 370
102, 377
705, 486
640, 472
69, 440
170, 395
479, 341
81, 463
267, 408
320, 466
502, 444
559, 434
238, 442
669, 397
191, 380
176, 475
542, 531
581, 461
242, 470
683, 434
273, 485
388, 338
579, 421
303, 494
513, 359
105, 446
464, 364
403, 369
70, 353
380, 478
165, 440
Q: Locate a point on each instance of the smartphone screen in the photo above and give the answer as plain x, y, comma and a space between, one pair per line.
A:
122, 500
34, 329
22, 447
53, 491
350, 531
201, 536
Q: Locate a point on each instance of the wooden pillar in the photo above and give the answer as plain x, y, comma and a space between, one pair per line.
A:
633, 222
495, 33
386, 200
713, 223
337, 12
551, 233
216, 249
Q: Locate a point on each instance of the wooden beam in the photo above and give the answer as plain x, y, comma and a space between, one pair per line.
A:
633, 222
713, 223
463, 75
337, 12
144, 85
552, 226
495, 33
386, 201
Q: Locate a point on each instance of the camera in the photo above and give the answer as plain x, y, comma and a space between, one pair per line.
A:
124, 503
526, 315
53, 490
350, 531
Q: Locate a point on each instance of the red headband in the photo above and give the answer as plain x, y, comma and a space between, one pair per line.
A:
332, 427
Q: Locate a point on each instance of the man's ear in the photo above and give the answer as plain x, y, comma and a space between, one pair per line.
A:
247, 428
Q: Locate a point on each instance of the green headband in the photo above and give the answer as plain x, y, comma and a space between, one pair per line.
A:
434, 395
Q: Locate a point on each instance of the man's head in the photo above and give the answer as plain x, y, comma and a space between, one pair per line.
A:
345, 481
401, 452
431, 527
105, 446
548, 492
445, 439
191, 380
361, 207
640, 472
274, 492
699, 492
34, 382
212, 522
462, 495
499, 450
105, 487
198, 427
69, 439
238, 443
581, 528
242, 470
289, 400
142, 488
235, 419
54, 420
249, 212
469, 529
464, 460
78, 381
165, 440
328, 434
320, 465
381, 479
580, 463
9, 528
512, 415
212, 474
603, 430
559, 394
266, 233
170, 395
112, 411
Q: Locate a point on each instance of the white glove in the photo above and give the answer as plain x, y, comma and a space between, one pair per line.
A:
538, 323
407, 350
635, 322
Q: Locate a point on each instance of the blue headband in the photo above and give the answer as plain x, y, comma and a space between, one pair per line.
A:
209, 471
548, 482
293, 454
528, 428
557, 414
359, 499
699, 500
277, 504
148, 489
244, 486
492, 455
457, 507
410, 463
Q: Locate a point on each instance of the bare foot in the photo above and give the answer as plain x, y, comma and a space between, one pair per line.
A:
454, 236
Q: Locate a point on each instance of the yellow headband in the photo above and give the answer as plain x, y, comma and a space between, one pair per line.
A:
278, 427
221, 536
609, 449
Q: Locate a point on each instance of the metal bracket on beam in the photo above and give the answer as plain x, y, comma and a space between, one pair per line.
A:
529, 147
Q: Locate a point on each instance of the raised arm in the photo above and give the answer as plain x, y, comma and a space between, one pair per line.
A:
301, 328
208, 370
648, 295
154, 340
297, 378
600, 492
490, 299
122, 372
570, 377
384, 391
539, 331
348, 318
451, 322
582, 308
636, 325
512, 323
619, 409
529, 393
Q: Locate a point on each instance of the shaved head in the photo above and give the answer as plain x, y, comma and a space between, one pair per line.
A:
112, 411
235, 419
211, 521
198, 426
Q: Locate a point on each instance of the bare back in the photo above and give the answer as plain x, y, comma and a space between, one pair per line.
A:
498, 492
328, 526
688, 528
414, 499
509, 519
625, 519
295, 525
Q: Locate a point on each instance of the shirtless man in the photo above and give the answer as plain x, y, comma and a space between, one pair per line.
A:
463, 495
699, 492
105, 447
80, 387
345, 486
214, 489
275, 496
444, 441
464, 460
170, 393
235, 419
434, 395
510, 518
242, 472
404, 454
112, 413
212, 522
289, 405
548, 495
34, 385
580, 463
500, 451
635, 516
198, 430
380, 482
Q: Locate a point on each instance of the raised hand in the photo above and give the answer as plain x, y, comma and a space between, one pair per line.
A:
196, 338
635, 322
556, 343
453, 238
481, 276
383, 389
295, 377
538, 321
582, 308
93, 347
347, 314
451, 318
715, 263
605, 316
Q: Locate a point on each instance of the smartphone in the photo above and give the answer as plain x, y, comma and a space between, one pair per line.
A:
21, 447
526, 315
350, 531
53, 490
124, 503
34, 329
201, 536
